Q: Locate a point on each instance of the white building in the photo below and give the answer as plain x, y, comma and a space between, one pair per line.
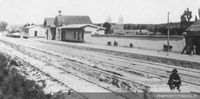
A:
35, 31
79, 32
94, 30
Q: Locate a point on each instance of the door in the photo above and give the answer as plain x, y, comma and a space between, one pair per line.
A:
47, 34
35, 33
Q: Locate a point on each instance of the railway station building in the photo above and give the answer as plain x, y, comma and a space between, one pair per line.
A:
193, 39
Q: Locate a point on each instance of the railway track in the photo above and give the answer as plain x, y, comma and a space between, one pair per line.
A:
85, 67
93, 51
128, 86
128, 60
161, 72
106, 63
81, 95
101, 58
163, 69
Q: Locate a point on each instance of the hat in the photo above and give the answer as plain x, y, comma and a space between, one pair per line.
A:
174, 71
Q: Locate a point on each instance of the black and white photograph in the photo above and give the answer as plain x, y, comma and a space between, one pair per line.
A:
99, 49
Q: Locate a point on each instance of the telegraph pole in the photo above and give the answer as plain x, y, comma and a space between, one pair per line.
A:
168, 34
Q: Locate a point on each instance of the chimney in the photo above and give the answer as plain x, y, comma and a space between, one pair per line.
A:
59, 13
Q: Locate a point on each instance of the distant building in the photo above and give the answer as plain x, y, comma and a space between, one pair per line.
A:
14, 28
94, 29
118, 29
35, 31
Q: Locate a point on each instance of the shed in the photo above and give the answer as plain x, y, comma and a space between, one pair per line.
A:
73, 33
61, 20
76, 32
35, 31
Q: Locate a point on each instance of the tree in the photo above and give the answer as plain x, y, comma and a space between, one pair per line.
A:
108, 27
188, 14
27, 24
185, 20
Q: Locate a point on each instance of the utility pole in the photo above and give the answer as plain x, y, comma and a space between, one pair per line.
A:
168, 34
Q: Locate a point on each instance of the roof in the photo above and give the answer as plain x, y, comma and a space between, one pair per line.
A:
49, 21
75, 26
31, 26
67, 20
194, 27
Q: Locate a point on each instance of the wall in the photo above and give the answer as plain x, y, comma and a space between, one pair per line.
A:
40, 31
51, 32
118, 28
101, 32
69, 35
72, 35
48, 34
58, 34
142, 41
94, 30
90, 29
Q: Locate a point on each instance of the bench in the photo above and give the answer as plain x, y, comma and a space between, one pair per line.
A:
165, 47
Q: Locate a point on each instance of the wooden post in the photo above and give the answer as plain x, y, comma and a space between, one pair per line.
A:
168, 35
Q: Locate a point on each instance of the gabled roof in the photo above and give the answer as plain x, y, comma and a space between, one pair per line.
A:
49, 22
75, 26
194, 27
67, 20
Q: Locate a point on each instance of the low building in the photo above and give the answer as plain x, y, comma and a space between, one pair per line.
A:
73, 33
77, 32
61, 20
118, 29
93, 29
35, 31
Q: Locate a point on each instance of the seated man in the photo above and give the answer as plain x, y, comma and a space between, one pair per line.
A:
174, 80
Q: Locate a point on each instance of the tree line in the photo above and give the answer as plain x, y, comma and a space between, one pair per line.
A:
176, 28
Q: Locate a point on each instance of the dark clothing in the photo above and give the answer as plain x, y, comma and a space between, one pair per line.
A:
174, 76
174, 81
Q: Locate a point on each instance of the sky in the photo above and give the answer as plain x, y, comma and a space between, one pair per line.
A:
132, 11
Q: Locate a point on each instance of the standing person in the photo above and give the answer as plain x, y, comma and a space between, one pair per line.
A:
174, 80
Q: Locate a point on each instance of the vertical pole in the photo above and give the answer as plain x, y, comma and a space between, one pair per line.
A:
168, 34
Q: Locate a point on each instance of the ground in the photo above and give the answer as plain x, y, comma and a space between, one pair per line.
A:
84, 68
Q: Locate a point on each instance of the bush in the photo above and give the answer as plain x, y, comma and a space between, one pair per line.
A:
15, 86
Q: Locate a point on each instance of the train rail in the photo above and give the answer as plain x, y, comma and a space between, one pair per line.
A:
128, 64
